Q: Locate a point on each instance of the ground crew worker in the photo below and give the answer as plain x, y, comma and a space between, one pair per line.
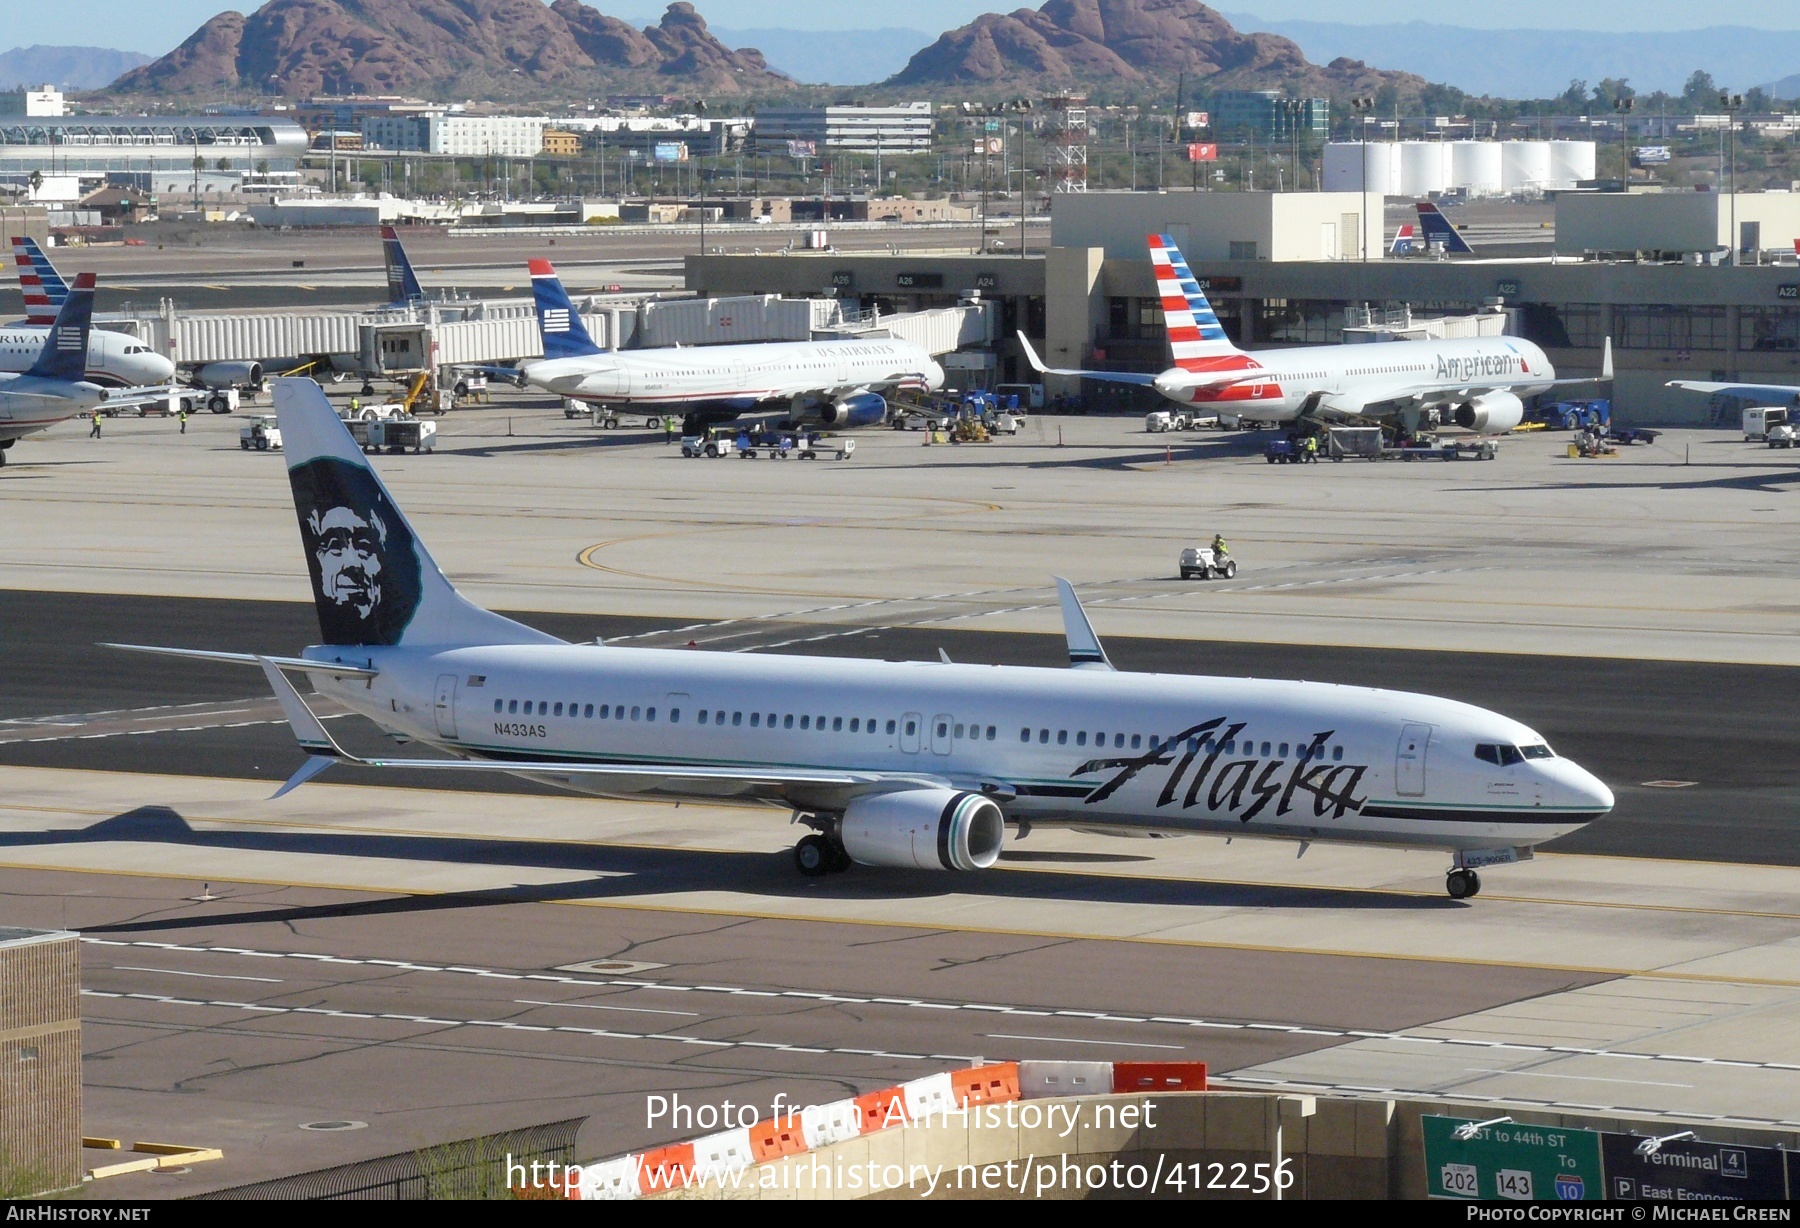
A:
182, 418
94, 430
1312, 447
1218, 545
355, 404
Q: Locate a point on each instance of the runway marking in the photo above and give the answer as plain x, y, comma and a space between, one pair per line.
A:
986, 1008
590, 1006
509, 1026
1078, 1040
211, 976
1537, 1074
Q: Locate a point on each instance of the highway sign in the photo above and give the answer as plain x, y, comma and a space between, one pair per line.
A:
1687, 1169
1513, 1161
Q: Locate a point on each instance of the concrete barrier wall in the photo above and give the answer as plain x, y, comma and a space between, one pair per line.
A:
1337, 1148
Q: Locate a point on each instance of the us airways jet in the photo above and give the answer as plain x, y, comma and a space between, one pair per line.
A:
834, 384
1481, 381
113, 359
913, 765
54, 386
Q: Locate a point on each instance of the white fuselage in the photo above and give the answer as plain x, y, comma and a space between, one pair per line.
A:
1088, 748
112, 358
736, 373
1430, 372
30, 403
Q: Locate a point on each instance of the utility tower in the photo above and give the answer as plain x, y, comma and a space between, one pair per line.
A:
1066, 148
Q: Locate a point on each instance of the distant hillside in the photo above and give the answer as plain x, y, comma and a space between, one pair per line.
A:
1541, 63
69, 68
832, 57
450, 48
1118, 46
1787, 87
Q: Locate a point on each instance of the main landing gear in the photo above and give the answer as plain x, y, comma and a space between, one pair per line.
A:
816, 856
1462, 884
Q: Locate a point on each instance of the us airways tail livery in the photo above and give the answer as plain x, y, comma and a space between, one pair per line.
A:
832, 383
891, 764
1483, 380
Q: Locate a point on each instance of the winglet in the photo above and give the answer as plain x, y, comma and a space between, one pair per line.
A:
312, 767
309, 731
1031, 355
1115, 377
1606, 367
1084, 646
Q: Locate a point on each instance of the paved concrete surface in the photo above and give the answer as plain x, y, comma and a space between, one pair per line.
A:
1638, 609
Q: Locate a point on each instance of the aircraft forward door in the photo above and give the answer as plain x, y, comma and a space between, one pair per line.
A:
445, 705
1409, 760
909, 732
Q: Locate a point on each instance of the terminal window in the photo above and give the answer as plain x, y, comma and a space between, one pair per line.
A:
1301, 321
1668, 326
1769, 328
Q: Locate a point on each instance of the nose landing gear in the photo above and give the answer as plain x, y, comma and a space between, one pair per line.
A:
1462, 884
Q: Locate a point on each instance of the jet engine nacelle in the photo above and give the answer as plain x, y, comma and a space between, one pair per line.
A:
230, 375
924, 829
1493, 412
857, 409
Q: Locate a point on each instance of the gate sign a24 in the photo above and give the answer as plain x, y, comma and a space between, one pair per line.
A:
1512, 1161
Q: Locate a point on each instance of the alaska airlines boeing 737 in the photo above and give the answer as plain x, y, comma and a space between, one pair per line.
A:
904, 764
1482, 380
830, 383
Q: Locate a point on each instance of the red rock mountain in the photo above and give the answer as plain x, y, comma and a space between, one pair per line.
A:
1123, 46
449, 48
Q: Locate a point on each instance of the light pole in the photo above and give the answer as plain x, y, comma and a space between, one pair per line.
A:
1732, 104
1623, 107
1362, 107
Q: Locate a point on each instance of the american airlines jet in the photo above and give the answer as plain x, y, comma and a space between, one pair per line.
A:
831, 383
54, 386
904, 764
1483, 381
113, 359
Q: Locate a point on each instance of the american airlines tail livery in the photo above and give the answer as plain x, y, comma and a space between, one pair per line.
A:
900, 764
1483, 381
829, 383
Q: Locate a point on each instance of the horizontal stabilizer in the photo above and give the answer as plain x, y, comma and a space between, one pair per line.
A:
333, 668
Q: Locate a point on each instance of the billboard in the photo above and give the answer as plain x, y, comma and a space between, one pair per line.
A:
1203, 153
1198, 119
802, 149
671, 151
1649, 155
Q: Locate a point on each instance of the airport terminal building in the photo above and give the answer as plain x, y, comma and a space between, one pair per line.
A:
98, 144
1282, 269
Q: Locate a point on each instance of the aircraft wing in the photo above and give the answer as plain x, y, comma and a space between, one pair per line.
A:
1784, 393
1113, 377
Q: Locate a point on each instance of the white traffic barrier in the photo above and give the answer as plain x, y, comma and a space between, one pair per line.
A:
1041, 1079
721, 1154
929, 1097
609, 1180
824, 1124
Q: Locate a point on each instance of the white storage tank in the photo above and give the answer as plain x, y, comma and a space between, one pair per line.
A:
1570, 162
1424, 167
1475, 167
1524, 165
1378, 162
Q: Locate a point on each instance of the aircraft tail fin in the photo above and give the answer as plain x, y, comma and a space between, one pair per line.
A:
1403, 240
565, 336
373, 581
1197, 341
402, 284
64, 356
1437, 229
40, 283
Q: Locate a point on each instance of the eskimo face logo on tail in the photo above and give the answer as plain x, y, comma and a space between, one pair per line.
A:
364, 565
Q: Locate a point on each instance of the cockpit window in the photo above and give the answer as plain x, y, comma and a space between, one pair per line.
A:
1503, 755
1539, 751
1487, 752
1510, 755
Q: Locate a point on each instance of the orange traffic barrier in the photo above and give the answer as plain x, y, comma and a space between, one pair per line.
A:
1159, 1077
994, 1084
881, 1109
777, 1137
666, 1168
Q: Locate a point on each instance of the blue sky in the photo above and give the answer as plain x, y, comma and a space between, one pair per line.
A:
158, 25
